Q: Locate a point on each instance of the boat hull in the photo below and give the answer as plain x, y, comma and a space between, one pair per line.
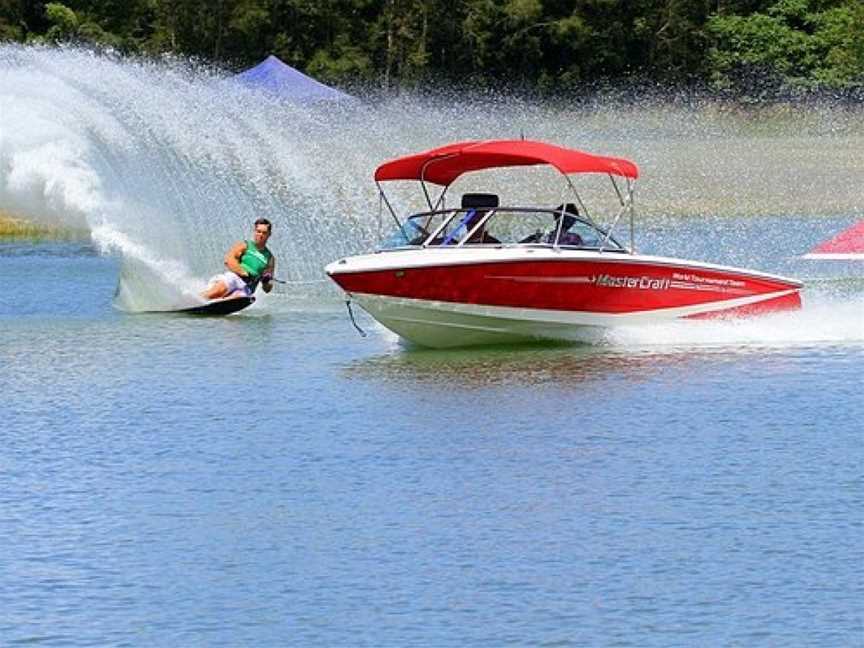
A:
452, 298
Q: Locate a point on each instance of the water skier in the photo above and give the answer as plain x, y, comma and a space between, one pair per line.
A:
248, 263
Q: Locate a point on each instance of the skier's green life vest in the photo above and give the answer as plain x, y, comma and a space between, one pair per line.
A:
254, 261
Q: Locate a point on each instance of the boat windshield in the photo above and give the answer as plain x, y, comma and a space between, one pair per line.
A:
500, 226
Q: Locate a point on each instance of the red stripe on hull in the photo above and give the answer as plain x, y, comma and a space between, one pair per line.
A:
570, 285
788, 302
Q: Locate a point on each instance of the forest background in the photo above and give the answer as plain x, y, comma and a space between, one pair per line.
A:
740, 47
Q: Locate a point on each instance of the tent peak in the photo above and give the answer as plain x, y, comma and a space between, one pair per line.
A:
277, 77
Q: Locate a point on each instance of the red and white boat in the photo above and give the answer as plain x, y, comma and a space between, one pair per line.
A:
484, 273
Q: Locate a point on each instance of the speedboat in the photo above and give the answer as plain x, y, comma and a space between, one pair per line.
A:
484, 273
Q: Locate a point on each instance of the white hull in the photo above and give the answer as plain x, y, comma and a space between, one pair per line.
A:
441, 325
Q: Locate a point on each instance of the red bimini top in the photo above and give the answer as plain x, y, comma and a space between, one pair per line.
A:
443, 165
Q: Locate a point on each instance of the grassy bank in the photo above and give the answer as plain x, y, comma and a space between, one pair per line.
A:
19, 228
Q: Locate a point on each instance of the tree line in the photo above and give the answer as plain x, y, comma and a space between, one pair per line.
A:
543, 45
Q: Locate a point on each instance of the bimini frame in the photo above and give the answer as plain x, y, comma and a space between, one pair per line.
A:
625, 199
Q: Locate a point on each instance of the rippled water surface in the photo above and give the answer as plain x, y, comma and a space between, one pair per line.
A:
272, 478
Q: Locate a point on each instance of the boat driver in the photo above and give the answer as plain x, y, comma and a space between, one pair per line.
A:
569, 213
247, 264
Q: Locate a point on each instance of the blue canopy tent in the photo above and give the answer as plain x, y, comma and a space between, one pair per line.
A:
275, 76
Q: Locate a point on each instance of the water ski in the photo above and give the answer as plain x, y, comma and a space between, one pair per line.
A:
219, 306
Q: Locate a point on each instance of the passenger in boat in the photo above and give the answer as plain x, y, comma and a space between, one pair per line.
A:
569, 213
247, 264
480, 236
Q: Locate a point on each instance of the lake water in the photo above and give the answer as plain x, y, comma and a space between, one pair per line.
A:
272, 478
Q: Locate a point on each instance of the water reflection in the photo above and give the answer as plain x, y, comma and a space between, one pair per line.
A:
558, 364
563, 365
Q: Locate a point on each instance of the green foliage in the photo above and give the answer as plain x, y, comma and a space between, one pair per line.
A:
64, 22
341, 61
67, 25
839, 36
549, 45
797, 40
10, 31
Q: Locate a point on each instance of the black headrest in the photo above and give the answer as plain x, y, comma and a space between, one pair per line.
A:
479, 200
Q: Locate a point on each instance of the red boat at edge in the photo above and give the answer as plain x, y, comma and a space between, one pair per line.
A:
483, 273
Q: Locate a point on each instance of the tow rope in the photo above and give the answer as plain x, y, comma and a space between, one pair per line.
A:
353, 321
298, 283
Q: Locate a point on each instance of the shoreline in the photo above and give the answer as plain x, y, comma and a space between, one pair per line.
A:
12, 227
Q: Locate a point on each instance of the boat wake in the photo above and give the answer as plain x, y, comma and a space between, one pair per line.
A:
825, 319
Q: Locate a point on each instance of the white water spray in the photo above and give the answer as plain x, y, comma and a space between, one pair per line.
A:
824, 320
167, 166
